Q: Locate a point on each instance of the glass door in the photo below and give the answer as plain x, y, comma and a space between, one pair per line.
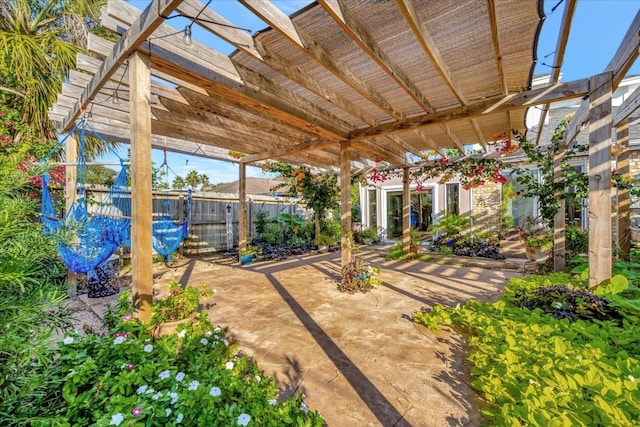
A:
394, 215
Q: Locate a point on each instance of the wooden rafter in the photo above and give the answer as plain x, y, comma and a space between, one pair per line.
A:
430, 142
269, 57
453, 137
481, 138
205, 67
143, 27
361, 36
280, 22
628, 107
495, 38
408, 9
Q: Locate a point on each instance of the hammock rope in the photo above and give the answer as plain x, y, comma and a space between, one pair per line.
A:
167, 234
86, 238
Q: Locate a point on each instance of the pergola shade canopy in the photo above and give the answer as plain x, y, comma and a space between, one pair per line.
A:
394, 78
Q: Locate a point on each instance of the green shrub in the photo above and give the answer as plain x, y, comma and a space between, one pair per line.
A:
370, 233
534, 369
262, 218
331, 227
452, 224
273, 233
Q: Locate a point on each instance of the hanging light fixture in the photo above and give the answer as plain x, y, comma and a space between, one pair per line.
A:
187, 35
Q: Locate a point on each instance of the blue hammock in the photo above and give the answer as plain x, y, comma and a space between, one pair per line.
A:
168, 234
84, 239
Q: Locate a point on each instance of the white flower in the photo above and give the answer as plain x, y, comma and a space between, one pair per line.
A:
174, 397
215, 391
148, 348
217, 330
164, 374
229, 365
258, 378
147, 340
179, 376
304, 406
149, 391
204, 341
168, 411
557, 305
272, 401
182, 333
116, 419
141, 389
193, 385
68, 340
225, 342
179, 418
215, 291
207, 334
157, 396
118, 340
243, 419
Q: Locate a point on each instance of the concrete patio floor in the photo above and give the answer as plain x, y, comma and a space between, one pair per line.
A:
358, 359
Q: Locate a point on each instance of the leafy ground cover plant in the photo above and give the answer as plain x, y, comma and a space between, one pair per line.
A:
195, 377
179, 304
359, 276
533, 369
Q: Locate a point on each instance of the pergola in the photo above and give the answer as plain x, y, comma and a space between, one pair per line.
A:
336, 85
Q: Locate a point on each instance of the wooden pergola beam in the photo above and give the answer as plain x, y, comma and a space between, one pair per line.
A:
561, 47
150, 19
627, 108
304, 147
627, 52
558, 92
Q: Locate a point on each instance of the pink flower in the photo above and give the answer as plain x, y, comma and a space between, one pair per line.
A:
499, 290
127, 317
130, 366
137, 412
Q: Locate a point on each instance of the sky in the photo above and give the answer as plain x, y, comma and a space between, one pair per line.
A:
597, 29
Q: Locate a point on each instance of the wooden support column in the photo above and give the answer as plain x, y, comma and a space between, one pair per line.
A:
559, 219
141, 191
71, 158
600, 121
406, 210
242, 201
345, 203
623, 226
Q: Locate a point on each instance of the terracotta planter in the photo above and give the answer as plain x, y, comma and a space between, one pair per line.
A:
536, 254
170, 328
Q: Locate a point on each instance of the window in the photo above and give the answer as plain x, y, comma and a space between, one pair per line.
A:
452, 198
373, 211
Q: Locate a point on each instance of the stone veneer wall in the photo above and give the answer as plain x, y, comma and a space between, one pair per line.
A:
486, 208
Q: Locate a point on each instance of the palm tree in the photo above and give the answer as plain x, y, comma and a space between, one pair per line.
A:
39, 40
179, 183
193, 179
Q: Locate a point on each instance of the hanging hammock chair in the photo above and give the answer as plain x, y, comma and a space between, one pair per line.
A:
90, 232
167, 233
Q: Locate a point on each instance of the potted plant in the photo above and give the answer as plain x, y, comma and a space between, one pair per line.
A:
246, 255
323, 241
368, 236
180, 306
537, 242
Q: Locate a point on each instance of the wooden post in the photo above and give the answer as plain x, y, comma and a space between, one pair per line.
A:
559, 219
406, 210
623, 228
141, 198
242, 200
600, 121
71, 158
345, 203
